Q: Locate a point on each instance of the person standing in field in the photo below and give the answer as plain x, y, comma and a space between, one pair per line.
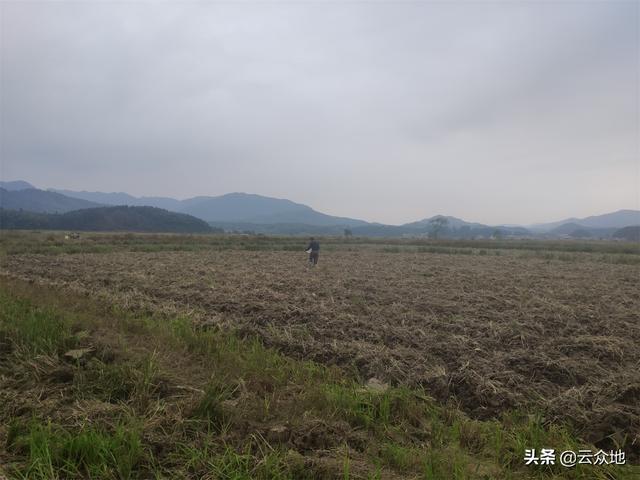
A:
314, 251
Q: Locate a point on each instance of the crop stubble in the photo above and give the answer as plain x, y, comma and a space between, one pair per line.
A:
494, 332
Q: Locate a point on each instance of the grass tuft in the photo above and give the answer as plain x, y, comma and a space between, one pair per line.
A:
56, 453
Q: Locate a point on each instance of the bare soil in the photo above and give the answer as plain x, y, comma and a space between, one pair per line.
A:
495, 332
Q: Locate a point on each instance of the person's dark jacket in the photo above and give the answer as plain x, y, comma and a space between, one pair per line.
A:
314, 246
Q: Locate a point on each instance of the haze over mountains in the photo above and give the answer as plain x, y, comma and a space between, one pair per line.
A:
260, 214
16, 185
621, 218
41, 201
229, 208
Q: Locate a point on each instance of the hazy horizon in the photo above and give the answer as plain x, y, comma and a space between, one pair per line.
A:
472, 220
498, 113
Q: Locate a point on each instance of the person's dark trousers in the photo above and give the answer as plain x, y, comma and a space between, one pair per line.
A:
313, 257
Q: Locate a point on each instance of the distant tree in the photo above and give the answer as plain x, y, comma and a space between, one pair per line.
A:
437, 225
348, 233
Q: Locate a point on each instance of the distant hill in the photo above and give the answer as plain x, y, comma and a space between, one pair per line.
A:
631, 234
121, 198
619, 219
452, 222
229, 208
121, 219
453, 227
249, 208
566, 228
574, 230
41, 201
16, 185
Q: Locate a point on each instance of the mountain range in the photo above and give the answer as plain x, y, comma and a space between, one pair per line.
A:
229, 208
261, 214
41, 201
619, 219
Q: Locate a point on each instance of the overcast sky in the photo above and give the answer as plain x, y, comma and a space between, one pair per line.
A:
497, 112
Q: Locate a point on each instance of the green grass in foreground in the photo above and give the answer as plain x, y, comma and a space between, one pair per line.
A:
163, 399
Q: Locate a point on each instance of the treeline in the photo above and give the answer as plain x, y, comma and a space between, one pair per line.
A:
427, 230
106, 219
374, 230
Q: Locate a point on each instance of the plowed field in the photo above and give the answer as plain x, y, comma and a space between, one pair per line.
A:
494, 332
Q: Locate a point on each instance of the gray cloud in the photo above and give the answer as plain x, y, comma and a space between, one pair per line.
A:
495, 112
